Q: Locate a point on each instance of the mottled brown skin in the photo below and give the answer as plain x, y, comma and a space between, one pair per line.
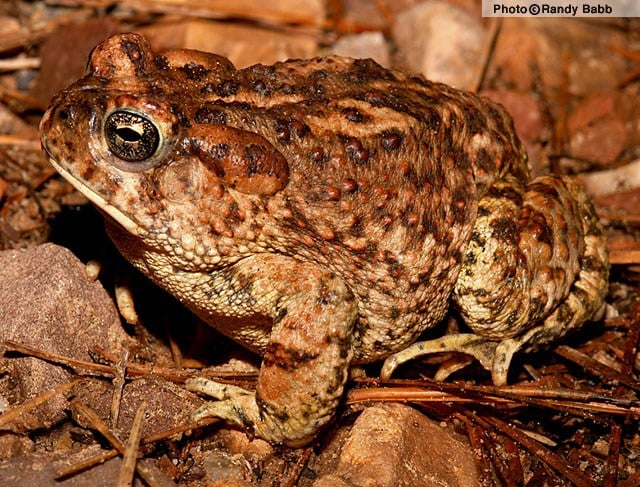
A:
324, 212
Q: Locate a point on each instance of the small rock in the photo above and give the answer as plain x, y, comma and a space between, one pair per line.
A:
244, 45
230, 483
440, 41
522, 48
9, 25
221, 466
363, 12
47, 303
525, 110
597, 128
393, 444
15, 445
332, 480
361, 46
527, 120
538, 52
168, 405
39, 469
63, 54
255, 450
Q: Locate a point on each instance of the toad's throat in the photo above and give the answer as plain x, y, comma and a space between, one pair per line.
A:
128, 224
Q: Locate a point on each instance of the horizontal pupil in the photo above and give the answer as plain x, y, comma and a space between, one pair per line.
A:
128, 134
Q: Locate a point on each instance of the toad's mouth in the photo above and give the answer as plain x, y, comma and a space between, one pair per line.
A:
130, 225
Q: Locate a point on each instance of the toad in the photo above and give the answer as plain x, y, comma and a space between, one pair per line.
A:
325, 213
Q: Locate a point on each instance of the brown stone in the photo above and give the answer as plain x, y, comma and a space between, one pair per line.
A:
69, 46
48, 303
393, 444
597, 128
244, 45
440, 41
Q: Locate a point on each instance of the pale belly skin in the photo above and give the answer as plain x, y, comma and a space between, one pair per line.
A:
324, 213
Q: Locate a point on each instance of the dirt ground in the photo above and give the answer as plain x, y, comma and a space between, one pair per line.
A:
90, 395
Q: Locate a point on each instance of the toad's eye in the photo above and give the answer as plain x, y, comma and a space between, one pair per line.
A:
131, 136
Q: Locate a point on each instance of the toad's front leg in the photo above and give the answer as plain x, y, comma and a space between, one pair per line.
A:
306, 362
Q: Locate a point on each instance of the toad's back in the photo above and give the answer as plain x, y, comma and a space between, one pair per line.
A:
385, 172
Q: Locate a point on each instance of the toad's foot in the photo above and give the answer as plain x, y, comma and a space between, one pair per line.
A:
239, 406
276, 422
216, 390
493, 356
480, 348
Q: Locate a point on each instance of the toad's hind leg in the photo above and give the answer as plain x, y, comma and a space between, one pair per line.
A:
536, 267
